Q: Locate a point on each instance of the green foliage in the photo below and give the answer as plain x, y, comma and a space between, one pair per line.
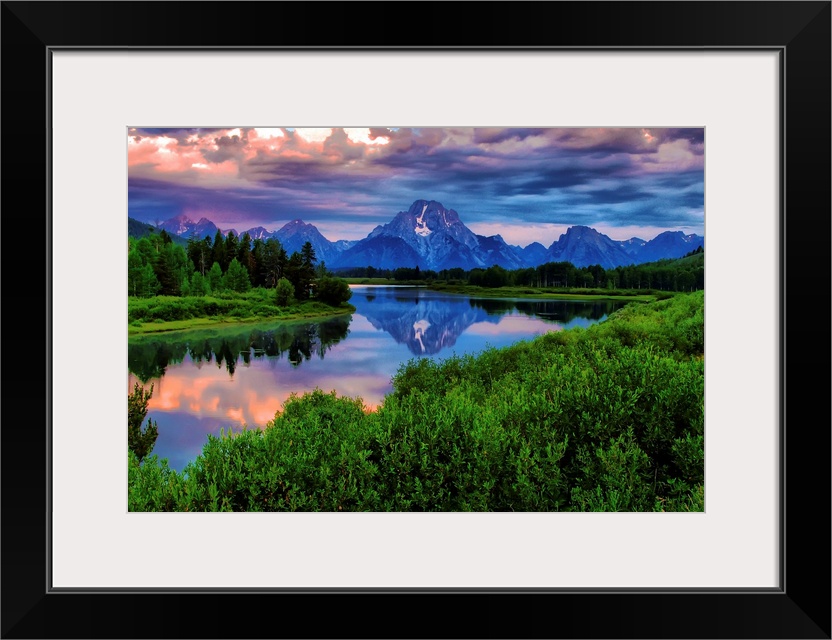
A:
154, 486
298, 274
312, 457
170, 267
284, 293
332, 291
218, 251
140, 442
159, 266
232, 245
199, 284
256, 302
246, 257
609, 418
307, 254
200, 253
272, 260
494, 276
215, 281
141, 280
236, 278
683, 274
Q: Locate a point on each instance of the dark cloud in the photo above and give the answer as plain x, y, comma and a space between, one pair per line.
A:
181, 135
619, 195
379, 132
559, 176
694, 135
170, 133
228, 148
501, 134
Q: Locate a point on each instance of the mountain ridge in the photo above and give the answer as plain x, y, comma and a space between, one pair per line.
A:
430, 236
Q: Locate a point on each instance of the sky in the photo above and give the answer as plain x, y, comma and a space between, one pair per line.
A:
528, 185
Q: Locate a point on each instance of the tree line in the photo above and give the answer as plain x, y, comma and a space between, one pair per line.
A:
664, 275
231, 263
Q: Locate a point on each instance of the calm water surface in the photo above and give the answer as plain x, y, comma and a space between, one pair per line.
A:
205, 380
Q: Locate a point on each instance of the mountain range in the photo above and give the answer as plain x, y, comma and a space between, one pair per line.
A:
430, 236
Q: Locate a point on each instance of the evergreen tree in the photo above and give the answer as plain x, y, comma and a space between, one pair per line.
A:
149, 286
258, 254
236, 278
231, 245
245, 257
164, 271
206, 255
134, 270
275, 262
215, 278
307, 254
141, 279
199, 254
147, 250
199, 284
171, 269
307, 277
140, 442
296, 274
218, 250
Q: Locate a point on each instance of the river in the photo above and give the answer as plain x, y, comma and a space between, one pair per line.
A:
209, 379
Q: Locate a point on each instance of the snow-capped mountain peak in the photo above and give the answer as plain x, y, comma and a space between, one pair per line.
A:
421, 227
429, 236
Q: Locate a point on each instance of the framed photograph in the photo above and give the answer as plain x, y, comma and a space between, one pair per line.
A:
84, 81
372, 344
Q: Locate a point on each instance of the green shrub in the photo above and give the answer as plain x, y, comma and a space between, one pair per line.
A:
284, 293
332, 291
609, 418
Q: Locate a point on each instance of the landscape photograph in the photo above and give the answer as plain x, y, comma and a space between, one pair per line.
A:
398, 319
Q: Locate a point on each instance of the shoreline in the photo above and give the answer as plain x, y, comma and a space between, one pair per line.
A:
172, 326
506, 292
525, 292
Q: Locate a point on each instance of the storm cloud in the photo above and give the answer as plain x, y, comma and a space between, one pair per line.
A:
520, 182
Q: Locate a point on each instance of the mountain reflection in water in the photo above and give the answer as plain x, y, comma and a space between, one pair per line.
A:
211, 379
429, 322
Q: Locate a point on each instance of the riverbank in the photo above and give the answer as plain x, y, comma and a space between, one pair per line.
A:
546, 293
385, 281
608, 418
164, 314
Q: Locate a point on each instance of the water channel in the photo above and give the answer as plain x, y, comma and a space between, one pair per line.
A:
209, 379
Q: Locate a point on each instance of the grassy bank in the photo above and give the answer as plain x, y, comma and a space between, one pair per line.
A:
574, 293
609, 418
384, 281
549, 293
173, 313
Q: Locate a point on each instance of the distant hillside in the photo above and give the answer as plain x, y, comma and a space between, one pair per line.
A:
693, 260
429, 236
137, 229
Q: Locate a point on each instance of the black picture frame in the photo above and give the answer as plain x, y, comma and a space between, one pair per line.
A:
800, 608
